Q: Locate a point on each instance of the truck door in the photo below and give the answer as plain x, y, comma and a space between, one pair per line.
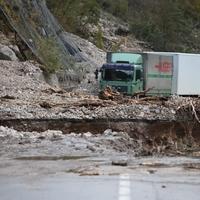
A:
138, 80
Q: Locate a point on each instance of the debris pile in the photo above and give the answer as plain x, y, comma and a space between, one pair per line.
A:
108, 93
108, 142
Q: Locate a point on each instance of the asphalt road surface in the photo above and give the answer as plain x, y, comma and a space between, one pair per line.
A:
122, 187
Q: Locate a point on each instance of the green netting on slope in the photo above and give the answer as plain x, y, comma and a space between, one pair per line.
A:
37, 27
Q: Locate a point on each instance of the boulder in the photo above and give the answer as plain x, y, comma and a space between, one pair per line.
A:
122, 163
122, 30
7, 53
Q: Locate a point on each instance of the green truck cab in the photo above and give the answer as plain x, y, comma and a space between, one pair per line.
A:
123, 72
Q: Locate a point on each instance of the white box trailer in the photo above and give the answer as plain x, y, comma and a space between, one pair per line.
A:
168, 73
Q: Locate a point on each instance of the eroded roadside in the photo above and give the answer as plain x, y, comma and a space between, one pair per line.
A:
108, 153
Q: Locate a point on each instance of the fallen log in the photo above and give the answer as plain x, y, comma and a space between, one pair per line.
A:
142, 93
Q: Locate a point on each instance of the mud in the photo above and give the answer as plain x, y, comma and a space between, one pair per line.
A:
135, 128
52, 158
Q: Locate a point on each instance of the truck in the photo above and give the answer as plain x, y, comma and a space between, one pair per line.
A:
158, 73
123, 72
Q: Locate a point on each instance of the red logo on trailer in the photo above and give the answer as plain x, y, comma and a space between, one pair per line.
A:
164, 67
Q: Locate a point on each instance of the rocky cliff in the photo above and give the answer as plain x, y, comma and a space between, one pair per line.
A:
36, 34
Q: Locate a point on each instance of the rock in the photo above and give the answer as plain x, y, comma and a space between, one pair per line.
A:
122, 30
23, 142
196, 154
91, 148
45, 105
7, 53
151, 171
116, 133
122, 163
90, 173
8, 97
141, 114
57, 137
88, 134
52, 79
41, 137
73, 134
108, 132
54, 135
14, 48
17, 51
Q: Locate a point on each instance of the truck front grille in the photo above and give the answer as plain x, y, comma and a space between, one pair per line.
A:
122, 89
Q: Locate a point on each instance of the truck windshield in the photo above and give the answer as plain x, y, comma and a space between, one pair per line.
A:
118, 75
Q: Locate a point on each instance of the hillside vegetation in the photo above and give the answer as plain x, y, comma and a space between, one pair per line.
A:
167, 25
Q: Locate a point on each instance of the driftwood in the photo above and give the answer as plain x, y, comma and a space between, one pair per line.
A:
154, 98
52, 90
194, 112
109, 94
190, 105
142, 93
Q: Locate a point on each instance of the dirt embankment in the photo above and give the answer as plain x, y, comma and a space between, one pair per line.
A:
87, 144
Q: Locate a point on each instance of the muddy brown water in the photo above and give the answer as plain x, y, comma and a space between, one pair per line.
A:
133, 127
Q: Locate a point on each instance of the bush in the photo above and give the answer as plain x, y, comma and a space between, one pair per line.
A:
99, 38
49, 53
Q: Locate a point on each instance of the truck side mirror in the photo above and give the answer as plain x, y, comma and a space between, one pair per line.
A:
96, 74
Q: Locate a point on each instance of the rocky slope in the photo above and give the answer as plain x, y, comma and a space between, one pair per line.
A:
112, 34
